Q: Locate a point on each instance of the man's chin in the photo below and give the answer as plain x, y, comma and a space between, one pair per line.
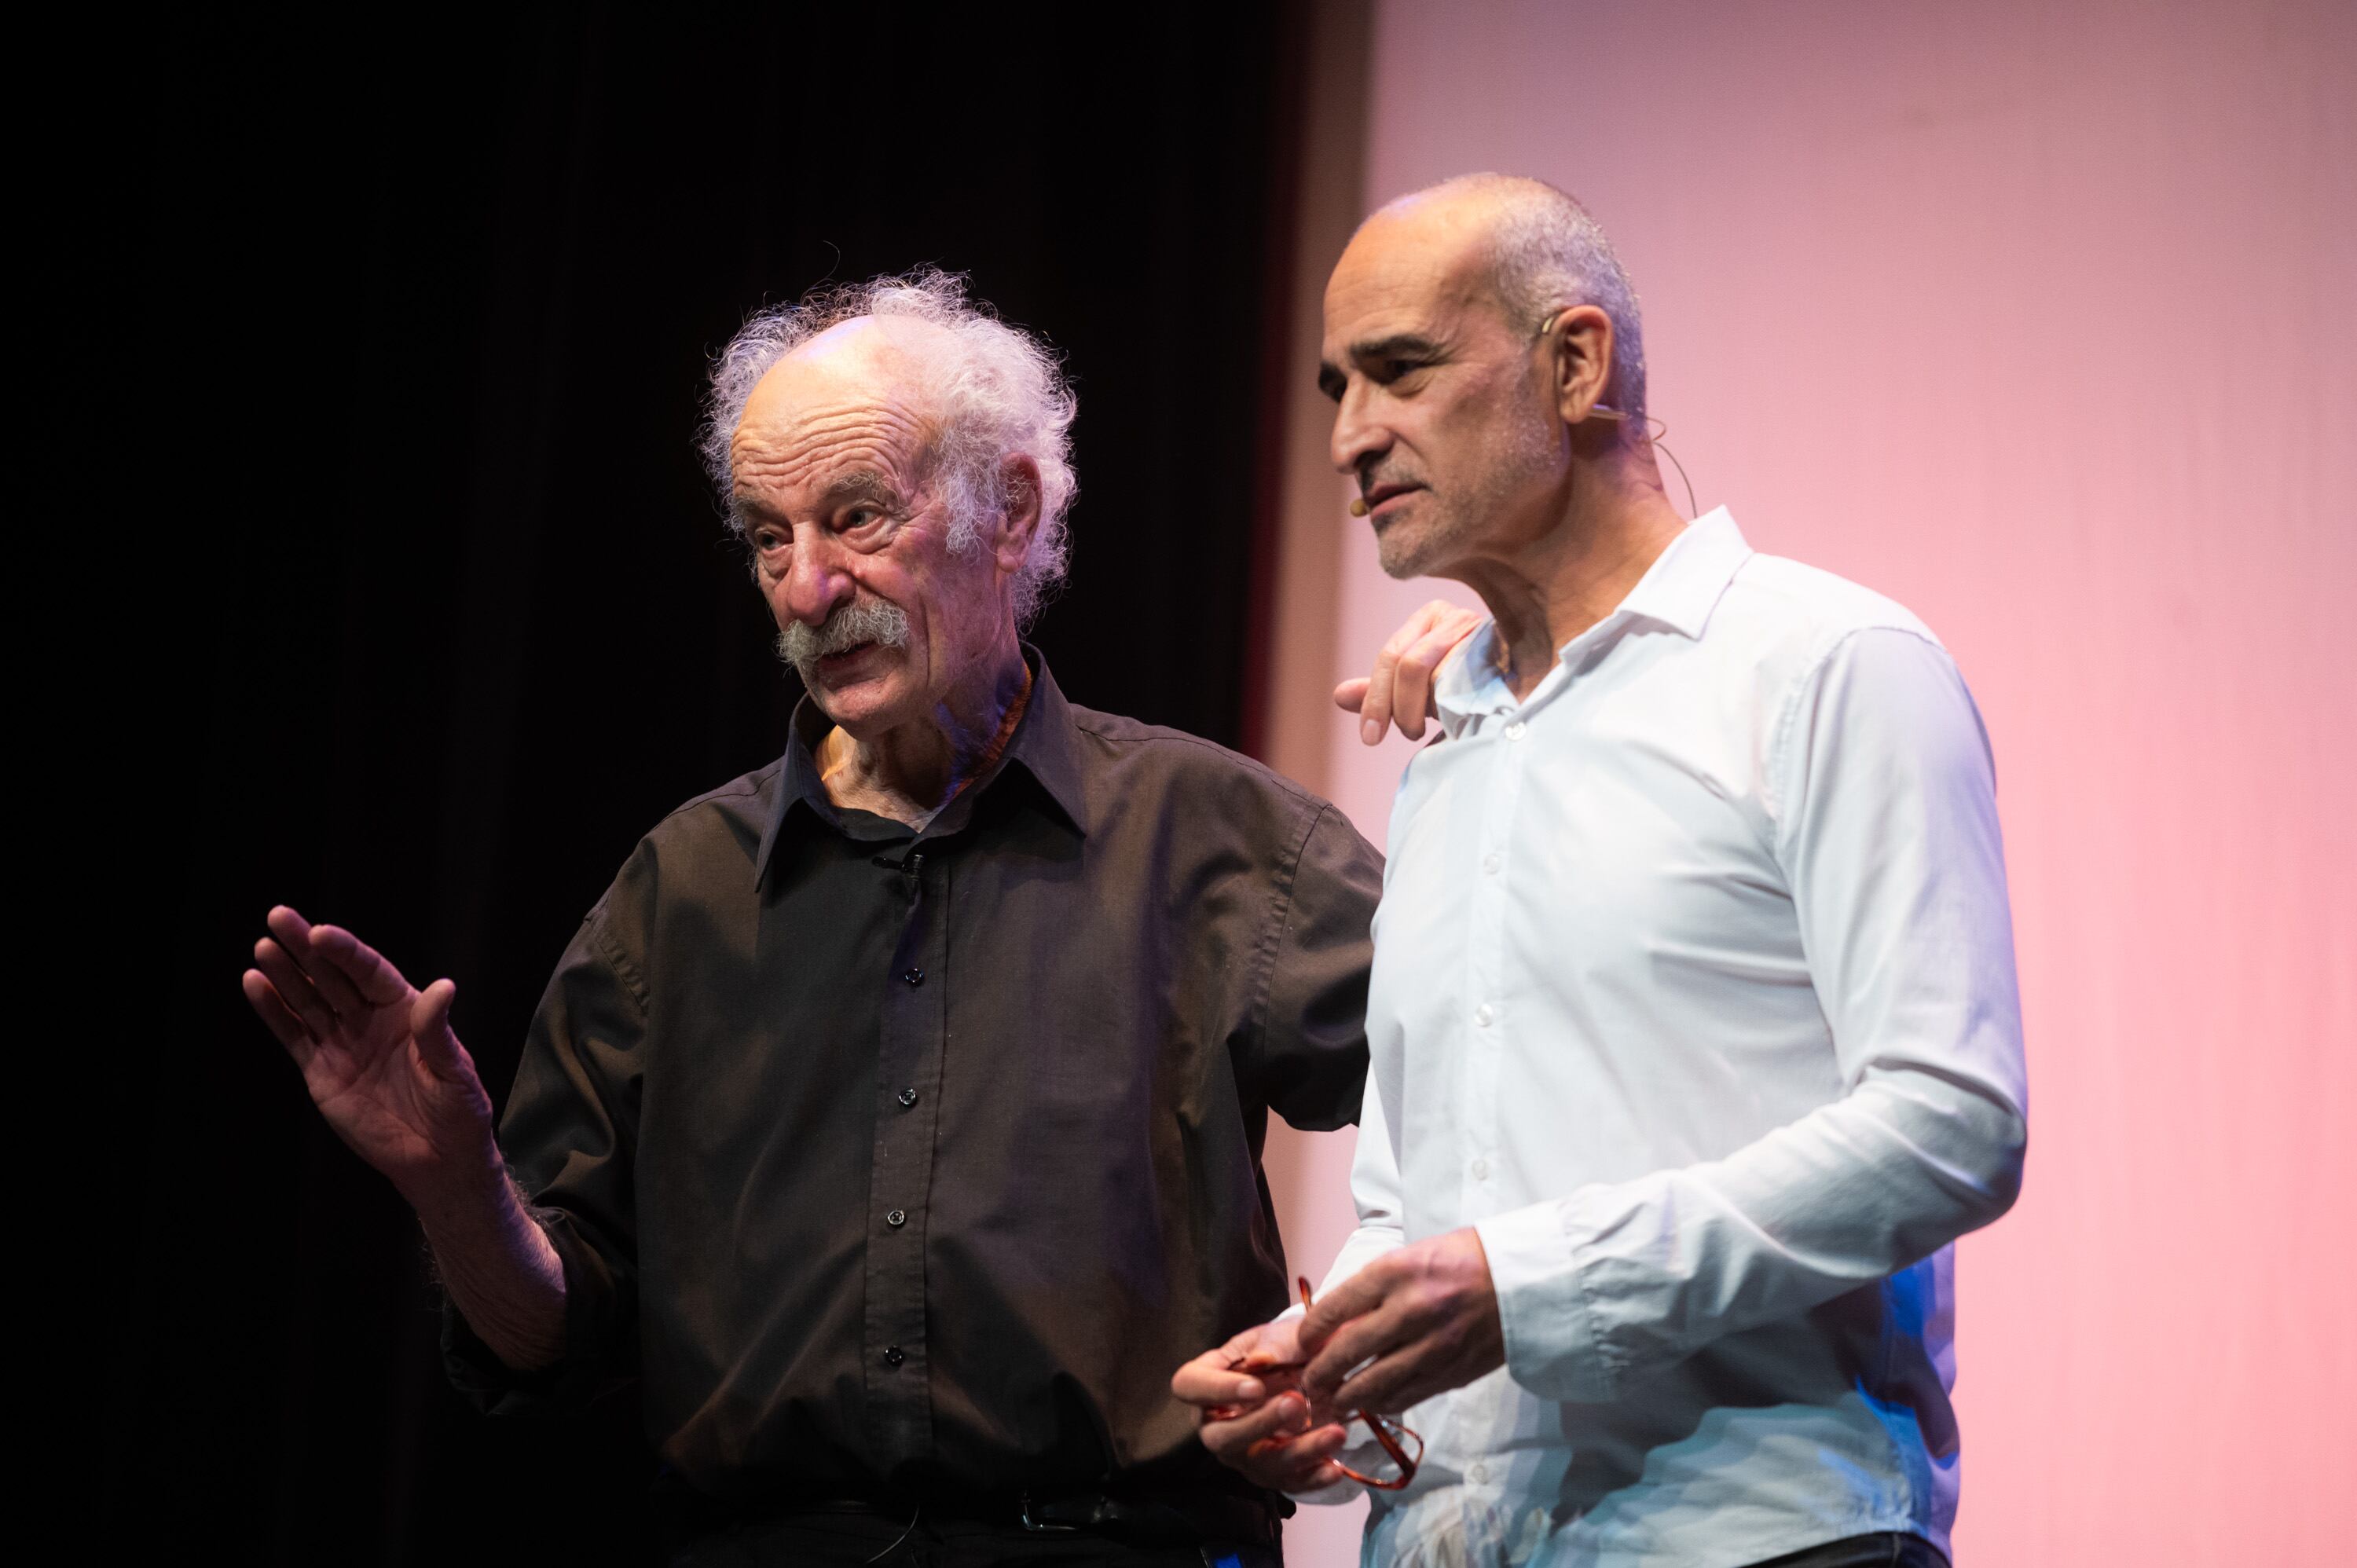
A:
1410, 537
864, 698
1403, 554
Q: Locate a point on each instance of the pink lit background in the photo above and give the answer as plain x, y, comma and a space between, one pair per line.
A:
2038, 318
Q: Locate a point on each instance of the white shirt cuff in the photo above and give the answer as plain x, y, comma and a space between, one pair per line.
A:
1552, 1345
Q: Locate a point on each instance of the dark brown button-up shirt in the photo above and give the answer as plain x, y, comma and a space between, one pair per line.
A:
899, 1162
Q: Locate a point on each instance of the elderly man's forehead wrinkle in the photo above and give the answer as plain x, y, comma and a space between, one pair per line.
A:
819, 445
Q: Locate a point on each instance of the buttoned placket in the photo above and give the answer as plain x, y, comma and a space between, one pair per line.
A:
908, 1069
1487, 1021
1489, 991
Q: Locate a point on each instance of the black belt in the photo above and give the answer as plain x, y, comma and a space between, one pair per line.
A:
1189, 1518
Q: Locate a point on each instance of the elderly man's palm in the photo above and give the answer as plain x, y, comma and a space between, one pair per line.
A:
377, 1053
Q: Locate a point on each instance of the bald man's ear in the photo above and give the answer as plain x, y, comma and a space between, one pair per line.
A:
1581, 340
1019, 523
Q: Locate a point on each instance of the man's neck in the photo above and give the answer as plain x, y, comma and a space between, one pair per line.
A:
1573, 574
910, 772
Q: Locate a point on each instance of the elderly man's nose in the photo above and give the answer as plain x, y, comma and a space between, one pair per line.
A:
814, 588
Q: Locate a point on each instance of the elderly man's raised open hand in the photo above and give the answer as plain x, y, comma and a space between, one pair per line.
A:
377, 1053
1399, 690
1417, 1321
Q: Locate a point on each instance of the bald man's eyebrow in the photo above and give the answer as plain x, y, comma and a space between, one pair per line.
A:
1398, 346
1375, 355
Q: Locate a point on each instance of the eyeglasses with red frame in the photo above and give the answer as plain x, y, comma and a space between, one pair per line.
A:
1391, 1437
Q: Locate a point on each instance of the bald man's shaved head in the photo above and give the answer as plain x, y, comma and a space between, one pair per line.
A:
1542, 252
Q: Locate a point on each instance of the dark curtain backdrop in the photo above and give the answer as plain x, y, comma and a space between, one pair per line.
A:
451, 619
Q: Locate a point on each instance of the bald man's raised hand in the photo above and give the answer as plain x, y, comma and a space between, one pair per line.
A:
1399, 690
378, 1055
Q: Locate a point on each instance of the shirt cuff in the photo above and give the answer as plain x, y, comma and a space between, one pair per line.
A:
1552, 1345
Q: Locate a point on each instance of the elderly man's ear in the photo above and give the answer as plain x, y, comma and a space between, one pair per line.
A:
1012, 541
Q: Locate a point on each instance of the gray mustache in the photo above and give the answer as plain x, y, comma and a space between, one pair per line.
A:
862, 620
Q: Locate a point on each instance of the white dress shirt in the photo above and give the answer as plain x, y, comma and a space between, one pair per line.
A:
1694, 994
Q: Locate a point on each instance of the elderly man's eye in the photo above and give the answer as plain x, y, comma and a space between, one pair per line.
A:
768, 539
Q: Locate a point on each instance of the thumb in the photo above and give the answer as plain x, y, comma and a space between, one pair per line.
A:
1351, 695
429, 1026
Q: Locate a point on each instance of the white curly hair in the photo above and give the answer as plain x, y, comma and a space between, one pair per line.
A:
999, 392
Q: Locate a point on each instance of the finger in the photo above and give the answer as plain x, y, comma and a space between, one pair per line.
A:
429, 1026
288, 926
295, 989
1412, 684
1375, 1334
1375, 713
1287, 1415
376, 982
1354, 1298
1412, 1372
1210, 1380
294, 935
279, 1018
1351, 693
1303, 1463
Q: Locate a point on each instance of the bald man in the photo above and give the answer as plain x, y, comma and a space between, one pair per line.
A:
894, 1119
1694, 1027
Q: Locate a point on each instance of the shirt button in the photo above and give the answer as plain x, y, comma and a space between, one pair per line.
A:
1481, 1170
1478, 1474
906, 1097
894, 1355
1481, 1015
1515, 730
1490, 863
896, 1218
913, 976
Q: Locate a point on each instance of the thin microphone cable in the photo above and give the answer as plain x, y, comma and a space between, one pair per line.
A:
1660, 428
902, 1542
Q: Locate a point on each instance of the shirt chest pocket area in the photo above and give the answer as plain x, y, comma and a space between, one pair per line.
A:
1651, 870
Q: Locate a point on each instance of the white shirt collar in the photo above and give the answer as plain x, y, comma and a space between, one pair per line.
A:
1679, 590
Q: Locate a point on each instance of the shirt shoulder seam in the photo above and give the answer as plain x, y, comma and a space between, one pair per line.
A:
1157, 733
1789, 706
603, 943
1280, 906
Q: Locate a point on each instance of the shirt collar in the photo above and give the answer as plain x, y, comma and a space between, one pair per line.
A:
1682, 585
1678, 591
1044, 747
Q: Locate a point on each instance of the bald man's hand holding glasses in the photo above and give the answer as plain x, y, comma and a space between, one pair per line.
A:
1282, 1402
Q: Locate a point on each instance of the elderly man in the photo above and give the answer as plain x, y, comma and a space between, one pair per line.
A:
895, 1117
1694, 1034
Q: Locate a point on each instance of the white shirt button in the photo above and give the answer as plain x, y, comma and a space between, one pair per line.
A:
1515, 730
1481, 1170
1490, 863
1478, 1474
1481, 1015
